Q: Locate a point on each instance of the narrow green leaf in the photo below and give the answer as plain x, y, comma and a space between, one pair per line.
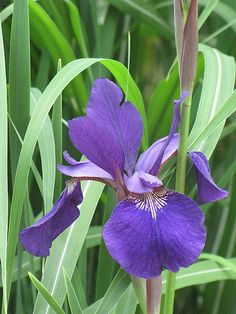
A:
106, 266
144, 12
45, 293
218, 259
4, 14
73, 301
210, 5
19, 76
203, 272
51, 38
127, 303
57, 130
94, 236
3, 169
218, 83
47, 153
118, 286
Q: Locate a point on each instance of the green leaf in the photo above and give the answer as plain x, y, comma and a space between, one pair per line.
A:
57, 131
47, 296
4, 14
118, 286
127, 303
47, 153
94, 236
145, 13
209, 7
213, 109
201, 273
106, 265
73, 301
19, 74
3, 169
48, 35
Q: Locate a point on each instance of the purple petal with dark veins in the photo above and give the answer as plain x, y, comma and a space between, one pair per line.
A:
97, 143
141, 182
152, 231
37, 239
208, 191
124, 121
173, 129
148, 158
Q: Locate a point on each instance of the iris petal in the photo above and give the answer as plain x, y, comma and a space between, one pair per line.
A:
97, 143
111, 133
141, 182
148, 158
152, 231
173, 129
123, 121
37, 239
208, 191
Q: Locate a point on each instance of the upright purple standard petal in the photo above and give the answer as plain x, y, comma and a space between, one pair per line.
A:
208, 191
173, 129
37, 239
151, 231
148, 158
124, 121
97, 143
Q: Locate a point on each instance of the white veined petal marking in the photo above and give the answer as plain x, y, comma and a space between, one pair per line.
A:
150, 201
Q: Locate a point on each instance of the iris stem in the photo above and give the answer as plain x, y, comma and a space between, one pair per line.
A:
154, 291
179, 187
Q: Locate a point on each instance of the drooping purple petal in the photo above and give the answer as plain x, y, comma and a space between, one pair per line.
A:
208, 191
152, 231
124, 121
97, 143
37, 239
148, 158
173, 129
141, 182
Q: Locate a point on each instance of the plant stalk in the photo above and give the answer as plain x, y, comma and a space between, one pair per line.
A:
154, 291
179, 187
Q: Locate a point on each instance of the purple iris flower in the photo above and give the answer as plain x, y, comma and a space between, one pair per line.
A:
151, 227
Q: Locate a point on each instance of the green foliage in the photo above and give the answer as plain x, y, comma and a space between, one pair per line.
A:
50, 54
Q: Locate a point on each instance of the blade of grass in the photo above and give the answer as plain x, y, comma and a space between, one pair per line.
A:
47, 153
118, 286
76, 24
19, 77
210, 5
5, 13
57, 130
3, 170
106, 265
72, 298
218, 83
48, 35
45, 293
145, 13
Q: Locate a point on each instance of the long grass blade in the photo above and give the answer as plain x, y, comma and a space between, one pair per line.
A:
3, 170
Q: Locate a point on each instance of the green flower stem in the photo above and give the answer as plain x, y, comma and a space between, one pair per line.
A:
179, 187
